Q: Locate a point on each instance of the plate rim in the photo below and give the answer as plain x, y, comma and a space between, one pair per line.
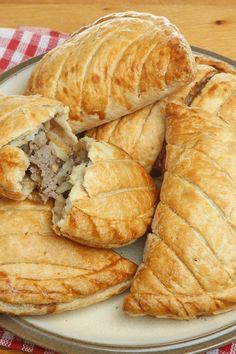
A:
57, 342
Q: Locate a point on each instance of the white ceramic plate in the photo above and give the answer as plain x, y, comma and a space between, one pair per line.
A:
104, 327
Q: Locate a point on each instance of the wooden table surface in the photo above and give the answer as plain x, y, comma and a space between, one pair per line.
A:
209, 24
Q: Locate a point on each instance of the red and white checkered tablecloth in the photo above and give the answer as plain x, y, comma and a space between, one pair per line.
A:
16, 46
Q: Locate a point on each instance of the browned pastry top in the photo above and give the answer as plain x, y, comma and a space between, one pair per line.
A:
41, 272
189, 266
118, 64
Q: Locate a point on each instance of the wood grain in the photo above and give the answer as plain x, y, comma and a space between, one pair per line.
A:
207, 24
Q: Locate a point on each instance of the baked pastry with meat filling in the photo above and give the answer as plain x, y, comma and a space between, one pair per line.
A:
102, 197
37, 147
111, 201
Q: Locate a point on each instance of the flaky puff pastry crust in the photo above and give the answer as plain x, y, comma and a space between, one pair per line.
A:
22, 115
42, 273
141, 134
189, 266
118, 64
20, 118
219, 65
213, 77
112, 200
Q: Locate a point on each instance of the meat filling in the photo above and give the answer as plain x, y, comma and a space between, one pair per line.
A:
49, 172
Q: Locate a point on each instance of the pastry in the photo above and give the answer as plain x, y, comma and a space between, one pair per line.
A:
217, 90
41, 273
102, 197
213, 78
141, 134
189, 265
111, 201
219, 65
36, 146
113, 67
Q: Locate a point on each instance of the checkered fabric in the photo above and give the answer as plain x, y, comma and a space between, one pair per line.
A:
16, 46
9, 340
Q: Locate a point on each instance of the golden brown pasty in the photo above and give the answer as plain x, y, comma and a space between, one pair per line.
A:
214, 82
35, 143
111, 201
141, 134
42, 273
103, 197
189, 265
118, 64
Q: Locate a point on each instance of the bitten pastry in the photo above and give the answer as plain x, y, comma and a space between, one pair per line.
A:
41, 273
102, 197
111, 199
36, 146
113, 67
189, 265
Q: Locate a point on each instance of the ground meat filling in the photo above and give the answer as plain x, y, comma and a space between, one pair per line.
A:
50, 173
